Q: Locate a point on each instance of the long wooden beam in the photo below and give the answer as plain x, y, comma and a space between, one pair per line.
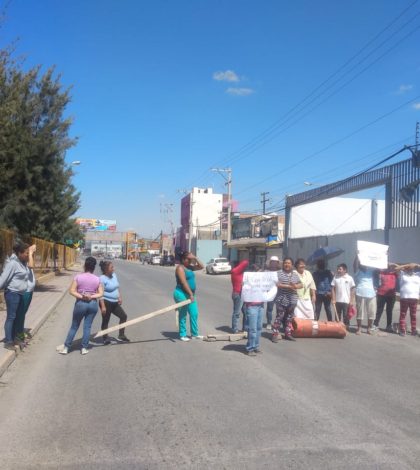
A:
137, 320
142, 318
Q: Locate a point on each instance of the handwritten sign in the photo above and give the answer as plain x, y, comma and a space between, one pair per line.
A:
259, 287
373, 255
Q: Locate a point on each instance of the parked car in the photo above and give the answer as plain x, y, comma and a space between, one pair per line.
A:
167, 260
218, 266
155, 260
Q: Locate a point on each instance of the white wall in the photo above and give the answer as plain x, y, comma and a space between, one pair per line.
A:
206, 208
335, 215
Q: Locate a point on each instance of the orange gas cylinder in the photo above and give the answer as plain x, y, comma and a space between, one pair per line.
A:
318, 329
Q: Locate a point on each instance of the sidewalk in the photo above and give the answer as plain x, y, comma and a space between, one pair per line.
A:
46, 297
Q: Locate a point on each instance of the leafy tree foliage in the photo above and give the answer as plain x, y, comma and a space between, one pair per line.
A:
36, 194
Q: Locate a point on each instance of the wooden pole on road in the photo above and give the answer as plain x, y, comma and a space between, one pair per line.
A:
137, 320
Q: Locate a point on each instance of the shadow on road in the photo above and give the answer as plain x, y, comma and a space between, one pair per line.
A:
224, 328
172, 335
240, 348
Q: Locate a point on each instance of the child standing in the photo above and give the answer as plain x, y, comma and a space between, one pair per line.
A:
342, 294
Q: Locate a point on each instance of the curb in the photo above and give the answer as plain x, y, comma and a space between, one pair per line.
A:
10, 356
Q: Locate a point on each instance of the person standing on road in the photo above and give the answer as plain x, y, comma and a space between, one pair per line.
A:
14, 281
236, 276
87, 289
323, 278
386, 296
254, 312
184, 290
366, 284
307, 294
409, 295
273, 265
286, 300
111, 301
26, 299
342, 294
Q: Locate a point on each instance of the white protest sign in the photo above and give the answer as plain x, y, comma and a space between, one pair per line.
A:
259, 287
373, 255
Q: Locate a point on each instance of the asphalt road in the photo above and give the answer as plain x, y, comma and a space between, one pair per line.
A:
159, 403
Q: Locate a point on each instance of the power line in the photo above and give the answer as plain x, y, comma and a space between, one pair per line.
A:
333, 144
266, 133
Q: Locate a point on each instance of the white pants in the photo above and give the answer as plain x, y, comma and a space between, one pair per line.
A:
304, 309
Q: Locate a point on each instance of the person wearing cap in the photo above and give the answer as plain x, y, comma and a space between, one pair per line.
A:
236, 277
273, 265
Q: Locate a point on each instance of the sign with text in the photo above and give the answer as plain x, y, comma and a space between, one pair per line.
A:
373, 255
259, 287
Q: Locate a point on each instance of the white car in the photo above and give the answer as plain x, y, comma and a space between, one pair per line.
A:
218, 266
155, 260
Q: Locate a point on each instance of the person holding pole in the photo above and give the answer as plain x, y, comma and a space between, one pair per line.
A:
87, 289
111, 301
184, 290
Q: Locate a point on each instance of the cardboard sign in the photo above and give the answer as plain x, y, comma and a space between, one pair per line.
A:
259, 287
373, 255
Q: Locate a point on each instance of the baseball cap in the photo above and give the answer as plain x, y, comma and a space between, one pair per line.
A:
274, 258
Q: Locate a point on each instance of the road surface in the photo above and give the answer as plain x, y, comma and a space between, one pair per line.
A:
160, 403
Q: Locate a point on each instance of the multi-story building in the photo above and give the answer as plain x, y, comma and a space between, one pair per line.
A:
202, 219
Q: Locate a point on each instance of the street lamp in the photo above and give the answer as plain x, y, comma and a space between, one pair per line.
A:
75, 163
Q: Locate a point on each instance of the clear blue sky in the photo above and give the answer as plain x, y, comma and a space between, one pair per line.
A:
164, 90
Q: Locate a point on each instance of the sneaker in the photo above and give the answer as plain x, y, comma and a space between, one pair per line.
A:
258, 351
251, 353
65, 350
84, 351
107, 341
402, 333
389, 329
123, 338
197, 337
10, 346
184, 338
414, 333
268, 327
374, 328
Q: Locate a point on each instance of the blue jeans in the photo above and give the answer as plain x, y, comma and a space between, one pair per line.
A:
269, 312
82, 310
254, 319
13, 301
237, 304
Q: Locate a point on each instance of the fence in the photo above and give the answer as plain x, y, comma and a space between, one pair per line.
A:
49, 256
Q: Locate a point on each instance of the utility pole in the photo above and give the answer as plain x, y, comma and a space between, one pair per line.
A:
264, 199
417, 135
228, 178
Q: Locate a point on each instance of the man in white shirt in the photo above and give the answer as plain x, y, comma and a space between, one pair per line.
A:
342, 294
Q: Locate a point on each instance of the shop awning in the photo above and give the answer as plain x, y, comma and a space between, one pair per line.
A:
247, 242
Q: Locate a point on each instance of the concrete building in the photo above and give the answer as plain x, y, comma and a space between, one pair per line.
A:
201, 223
319, 217
256, 238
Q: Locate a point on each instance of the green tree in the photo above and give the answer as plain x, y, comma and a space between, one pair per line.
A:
36, 194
